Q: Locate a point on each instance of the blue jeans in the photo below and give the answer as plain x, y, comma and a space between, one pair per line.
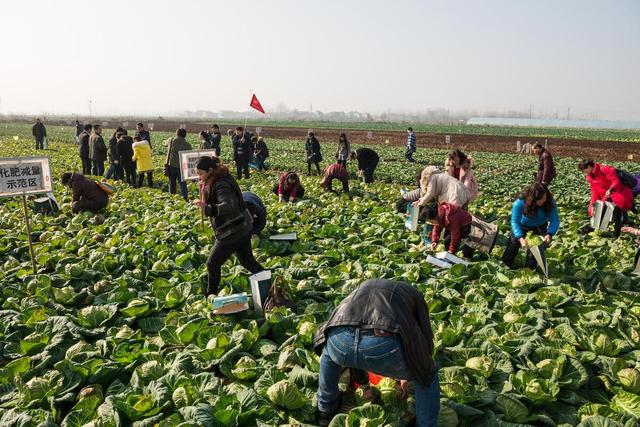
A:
347, 346
98, 167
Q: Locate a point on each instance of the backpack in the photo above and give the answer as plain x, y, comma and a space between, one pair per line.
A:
106, 187
626, 178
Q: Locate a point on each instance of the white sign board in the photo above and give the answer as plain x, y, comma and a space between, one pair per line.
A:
183, 126
188, 160
105, 124
25, 175
369, 135
447, 139
258, 130
125, 124
151, 126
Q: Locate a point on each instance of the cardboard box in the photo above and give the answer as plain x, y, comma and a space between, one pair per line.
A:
230, 304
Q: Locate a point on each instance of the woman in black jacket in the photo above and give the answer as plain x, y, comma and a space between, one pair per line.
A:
314, 156
222, 201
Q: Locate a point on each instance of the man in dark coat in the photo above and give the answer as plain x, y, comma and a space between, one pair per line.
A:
115, 168
215, 137
87, 195
143, 133
125, 151
546, 167
257, 210
83, 139
97, 151
242, 151
39, 132
367, 162
79, 129
381, 327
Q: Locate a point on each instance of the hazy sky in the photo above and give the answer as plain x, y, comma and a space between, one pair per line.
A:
152, 57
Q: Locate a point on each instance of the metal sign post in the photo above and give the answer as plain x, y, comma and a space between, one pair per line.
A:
369, 135
26, 221
447, 139
21, 176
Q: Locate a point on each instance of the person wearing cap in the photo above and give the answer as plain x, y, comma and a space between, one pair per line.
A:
143, 134
87, 195
381, 327
335, 171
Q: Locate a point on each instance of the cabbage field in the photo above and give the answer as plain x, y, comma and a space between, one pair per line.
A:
114, 330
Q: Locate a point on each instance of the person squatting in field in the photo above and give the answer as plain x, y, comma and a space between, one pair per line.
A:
534, 211
86, 194
222, 201
289, 188
607, 187
456, 223
381, 327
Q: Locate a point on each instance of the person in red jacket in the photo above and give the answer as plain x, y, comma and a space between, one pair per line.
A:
456, 223
335, 171
607, 187
289, 188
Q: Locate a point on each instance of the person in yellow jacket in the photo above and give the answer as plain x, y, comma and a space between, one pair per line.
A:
144, 163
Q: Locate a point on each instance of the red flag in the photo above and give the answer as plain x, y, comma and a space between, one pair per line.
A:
256, 104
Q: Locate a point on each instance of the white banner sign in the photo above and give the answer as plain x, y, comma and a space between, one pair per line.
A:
258, 130
447, 139
369, 135
188, 160
25, 175
125, 124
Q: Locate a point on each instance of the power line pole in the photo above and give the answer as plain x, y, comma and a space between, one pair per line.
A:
568, 113
530, 111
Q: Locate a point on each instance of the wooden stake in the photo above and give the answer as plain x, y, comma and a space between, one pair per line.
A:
26, 220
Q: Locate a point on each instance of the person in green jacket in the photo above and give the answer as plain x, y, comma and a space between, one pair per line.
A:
172, 162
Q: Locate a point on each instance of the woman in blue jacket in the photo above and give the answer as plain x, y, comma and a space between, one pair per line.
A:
534, 211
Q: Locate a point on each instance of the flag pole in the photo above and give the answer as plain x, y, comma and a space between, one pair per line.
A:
246, 114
